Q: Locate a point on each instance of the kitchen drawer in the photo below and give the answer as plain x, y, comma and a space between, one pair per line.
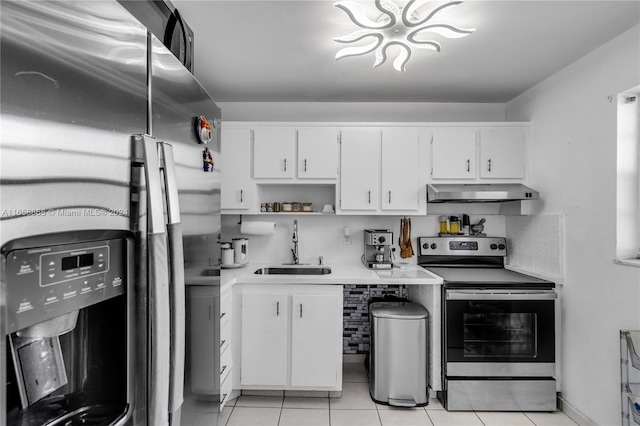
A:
226, 362
225, 391
225, 336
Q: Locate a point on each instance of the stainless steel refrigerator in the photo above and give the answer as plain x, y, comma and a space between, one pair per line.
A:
100, 153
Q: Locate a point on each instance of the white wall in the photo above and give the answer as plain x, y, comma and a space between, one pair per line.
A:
573, 140
361, 111
321, 235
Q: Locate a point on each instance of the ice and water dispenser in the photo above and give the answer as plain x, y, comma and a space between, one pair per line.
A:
67, 341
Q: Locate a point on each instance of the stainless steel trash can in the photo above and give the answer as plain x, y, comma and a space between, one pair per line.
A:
398, 357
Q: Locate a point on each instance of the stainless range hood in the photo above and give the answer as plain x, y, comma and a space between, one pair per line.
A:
479, 193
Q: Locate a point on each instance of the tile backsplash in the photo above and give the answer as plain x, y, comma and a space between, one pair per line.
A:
356, 329
535, 244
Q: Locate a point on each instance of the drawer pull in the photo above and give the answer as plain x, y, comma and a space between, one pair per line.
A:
224, 367
222, 314
224, 397
277, 309
222, 342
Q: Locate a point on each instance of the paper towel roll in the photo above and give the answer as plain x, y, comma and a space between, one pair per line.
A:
257, 228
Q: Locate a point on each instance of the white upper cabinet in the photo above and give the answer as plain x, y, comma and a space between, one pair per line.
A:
274, 152
318, 152
236, 168
360, 169
400, 169
502, 153
453, 154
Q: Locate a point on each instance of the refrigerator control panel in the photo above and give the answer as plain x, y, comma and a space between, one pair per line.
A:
46, 282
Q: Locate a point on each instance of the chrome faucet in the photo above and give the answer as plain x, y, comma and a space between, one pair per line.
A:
294, 239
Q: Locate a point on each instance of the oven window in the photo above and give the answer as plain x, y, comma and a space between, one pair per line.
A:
500, 330
499, 335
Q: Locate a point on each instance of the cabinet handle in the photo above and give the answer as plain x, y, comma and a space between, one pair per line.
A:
241, 196
369, 197
277, 309
301, 310
209, 312
224, 397
468, 165
489, 169
222, 314
222, 342
224, 367
305, 164
389, 197
285, 164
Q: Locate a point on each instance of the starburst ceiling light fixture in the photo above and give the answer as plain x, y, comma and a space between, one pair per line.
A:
396, 26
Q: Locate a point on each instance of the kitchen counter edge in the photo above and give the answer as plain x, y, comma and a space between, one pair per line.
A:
341, 274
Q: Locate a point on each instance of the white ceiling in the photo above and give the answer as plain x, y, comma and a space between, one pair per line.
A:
283, 51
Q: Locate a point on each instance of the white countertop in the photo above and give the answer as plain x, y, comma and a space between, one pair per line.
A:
341, 273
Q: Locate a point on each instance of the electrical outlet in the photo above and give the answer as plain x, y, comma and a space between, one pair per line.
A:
347, 236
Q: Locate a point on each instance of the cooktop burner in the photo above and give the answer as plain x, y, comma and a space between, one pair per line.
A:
486, 276
470, 260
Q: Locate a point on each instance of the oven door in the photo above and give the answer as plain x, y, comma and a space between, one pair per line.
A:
499, 333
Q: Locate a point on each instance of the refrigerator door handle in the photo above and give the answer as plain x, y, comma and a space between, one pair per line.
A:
146, 154
176, 280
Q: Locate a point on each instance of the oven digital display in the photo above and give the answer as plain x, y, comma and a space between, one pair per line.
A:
463, 245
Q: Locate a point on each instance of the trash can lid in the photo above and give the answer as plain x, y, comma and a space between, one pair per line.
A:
398, 310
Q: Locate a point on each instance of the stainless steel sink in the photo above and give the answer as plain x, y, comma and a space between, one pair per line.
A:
294, 270
210, 273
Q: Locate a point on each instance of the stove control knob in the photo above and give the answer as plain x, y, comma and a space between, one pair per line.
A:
434, 246
501, 246
493, 246
381, 239
425, 246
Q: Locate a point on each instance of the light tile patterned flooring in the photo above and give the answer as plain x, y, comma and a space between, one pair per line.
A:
354, 408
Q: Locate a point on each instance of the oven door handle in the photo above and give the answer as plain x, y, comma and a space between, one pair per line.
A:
501, 295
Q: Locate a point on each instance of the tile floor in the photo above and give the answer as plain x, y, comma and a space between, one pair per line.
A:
354, 408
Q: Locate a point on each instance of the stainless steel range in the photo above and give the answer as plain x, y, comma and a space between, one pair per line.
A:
498, 328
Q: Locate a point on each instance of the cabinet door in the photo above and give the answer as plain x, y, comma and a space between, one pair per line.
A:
236, 168
400, 169
360, 169
502, 153
264, 339
204, 342
453, 154
318, 153
314, 347
273, 153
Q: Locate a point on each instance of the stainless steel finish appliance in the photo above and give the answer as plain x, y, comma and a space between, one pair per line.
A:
98, 134
377, 248
498, 335
479, 193
398, 358
69, 329
163, 20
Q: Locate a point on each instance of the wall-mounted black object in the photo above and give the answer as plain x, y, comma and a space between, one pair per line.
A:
163, 20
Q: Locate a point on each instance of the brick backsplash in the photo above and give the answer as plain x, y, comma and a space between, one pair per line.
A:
356, 336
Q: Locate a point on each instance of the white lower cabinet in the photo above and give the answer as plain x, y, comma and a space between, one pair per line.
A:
291, 337
204, 339
264, 338
210, 351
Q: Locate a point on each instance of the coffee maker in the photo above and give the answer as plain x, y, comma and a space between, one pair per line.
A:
377, 248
